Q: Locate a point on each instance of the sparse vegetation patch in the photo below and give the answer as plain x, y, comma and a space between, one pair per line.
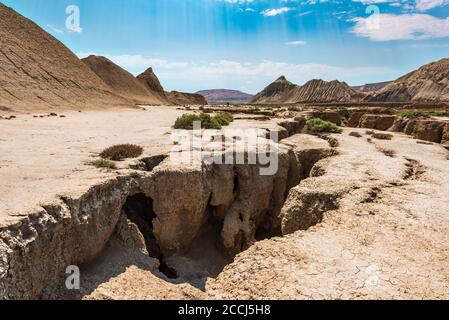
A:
224, 118
383, 136
355, 134
322, 126
388, 152
440, 113
207, 122
413, 114
104, 163
294, 109
121, 152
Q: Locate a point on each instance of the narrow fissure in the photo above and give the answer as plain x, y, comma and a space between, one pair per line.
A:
139, 210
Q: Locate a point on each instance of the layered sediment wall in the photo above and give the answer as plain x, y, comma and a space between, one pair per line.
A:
422, 128
177, 201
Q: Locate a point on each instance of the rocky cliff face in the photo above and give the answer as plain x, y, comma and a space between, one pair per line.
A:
39, 72
152, 83
122, 82
429, 83
149, 79
318, 91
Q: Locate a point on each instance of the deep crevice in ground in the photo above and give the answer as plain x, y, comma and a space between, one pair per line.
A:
139, 210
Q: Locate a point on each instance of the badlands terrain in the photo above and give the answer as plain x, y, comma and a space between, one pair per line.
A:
359, 212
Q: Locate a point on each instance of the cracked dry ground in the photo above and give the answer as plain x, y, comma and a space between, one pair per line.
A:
386, 236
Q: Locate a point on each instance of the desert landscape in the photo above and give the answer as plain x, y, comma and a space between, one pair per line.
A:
357, 207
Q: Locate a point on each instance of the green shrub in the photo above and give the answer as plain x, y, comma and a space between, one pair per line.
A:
224, 118
413, 114
440, 113
294, 109
320, 125
121, 152
207, 122
104, 163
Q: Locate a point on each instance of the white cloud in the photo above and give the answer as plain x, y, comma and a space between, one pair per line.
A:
275, 12
387, 27
296, 43
207, 74
430, 4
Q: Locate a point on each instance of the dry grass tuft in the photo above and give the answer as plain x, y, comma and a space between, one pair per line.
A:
121, 152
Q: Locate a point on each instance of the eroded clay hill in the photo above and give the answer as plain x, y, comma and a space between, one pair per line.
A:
323, 91
275, 92
428, 83
122, 82
149, 79
39, 72
314, 91
151, 82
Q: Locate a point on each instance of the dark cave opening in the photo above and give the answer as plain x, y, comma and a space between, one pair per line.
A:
139, 210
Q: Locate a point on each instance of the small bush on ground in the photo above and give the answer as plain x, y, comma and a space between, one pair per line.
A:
121, 152
224, 118
355, 134
294, 109
388, 152
207, 122
104, 163
413, 114
320, 125
440, 114
382, 136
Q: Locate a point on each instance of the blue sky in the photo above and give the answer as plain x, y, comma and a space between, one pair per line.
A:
245, 44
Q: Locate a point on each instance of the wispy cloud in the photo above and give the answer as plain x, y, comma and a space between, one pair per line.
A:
296, 43
276, 12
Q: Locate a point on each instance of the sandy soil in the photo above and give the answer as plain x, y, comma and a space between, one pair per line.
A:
44, 157
41, 158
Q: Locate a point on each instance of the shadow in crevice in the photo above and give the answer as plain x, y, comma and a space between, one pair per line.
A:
139, 210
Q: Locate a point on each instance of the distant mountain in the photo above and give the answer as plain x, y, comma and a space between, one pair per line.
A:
429, 83
183, 98
216, 96
314, 91
371, 87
